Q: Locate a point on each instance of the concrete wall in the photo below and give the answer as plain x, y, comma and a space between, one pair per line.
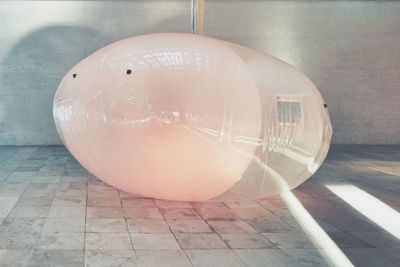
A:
350, 49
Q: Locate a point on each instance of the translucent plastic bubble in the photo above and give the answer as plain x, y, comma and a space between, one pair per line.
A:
187, 117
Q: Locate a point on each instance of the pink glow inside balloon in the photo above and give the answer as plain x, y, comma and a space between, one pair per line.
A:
186, 117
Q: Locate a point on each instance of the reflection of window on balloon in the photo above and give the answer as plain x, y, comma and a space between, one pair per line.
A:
188, 117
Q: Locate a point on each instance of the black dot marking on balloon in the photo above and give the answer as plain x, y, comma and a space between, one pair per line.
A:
74, 75
128, 72
325, 105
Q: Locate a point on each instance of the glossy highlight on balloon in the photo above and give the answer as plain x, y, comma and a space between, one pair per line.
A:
186, 117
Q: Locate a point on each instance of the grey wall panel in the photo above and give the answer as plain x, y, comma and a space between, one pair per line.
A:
350, 49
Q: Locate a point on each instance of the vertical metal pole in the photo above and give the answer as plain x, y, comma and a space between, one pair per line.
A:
197, 16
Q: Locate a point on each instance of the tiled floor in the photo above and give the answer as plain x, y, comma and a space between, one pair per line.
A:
53, 213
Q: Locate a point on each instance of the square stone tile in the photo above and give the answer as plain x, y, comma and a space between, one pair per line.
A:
34, 201
21, 176
231, 226
103, 202
6, 205
41, 190
209, 204
23, 212
189, 226
97, 225
34, 163
147, 226
27, 169
75, 175
107, 241
13, 189
61, 241
200, 241
246, 241
274, 225
77, 172
72, 188
68, 186
106, 258
216, 213
251, 213
93, 180
265, 257
9, 165
73, 166
138, 202
290, 240
242, 204
125, 195
99, 187
102, 192
164, 257
51, 171
168, 204
56, 257
43, 178
154, 241
142, 213
215, 257
68, 225
307, 257
3, 175
69, 201
179, 214
22, 225
105, 212
67, 212
56, 161
15, 257
74, 178
18, 240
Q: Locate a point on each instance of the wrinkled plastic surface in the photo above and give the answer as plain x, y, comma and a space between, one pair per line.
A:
186, 117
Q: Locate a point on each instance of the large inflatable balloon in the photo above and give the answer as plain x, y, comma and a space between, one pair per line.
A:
187, 117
